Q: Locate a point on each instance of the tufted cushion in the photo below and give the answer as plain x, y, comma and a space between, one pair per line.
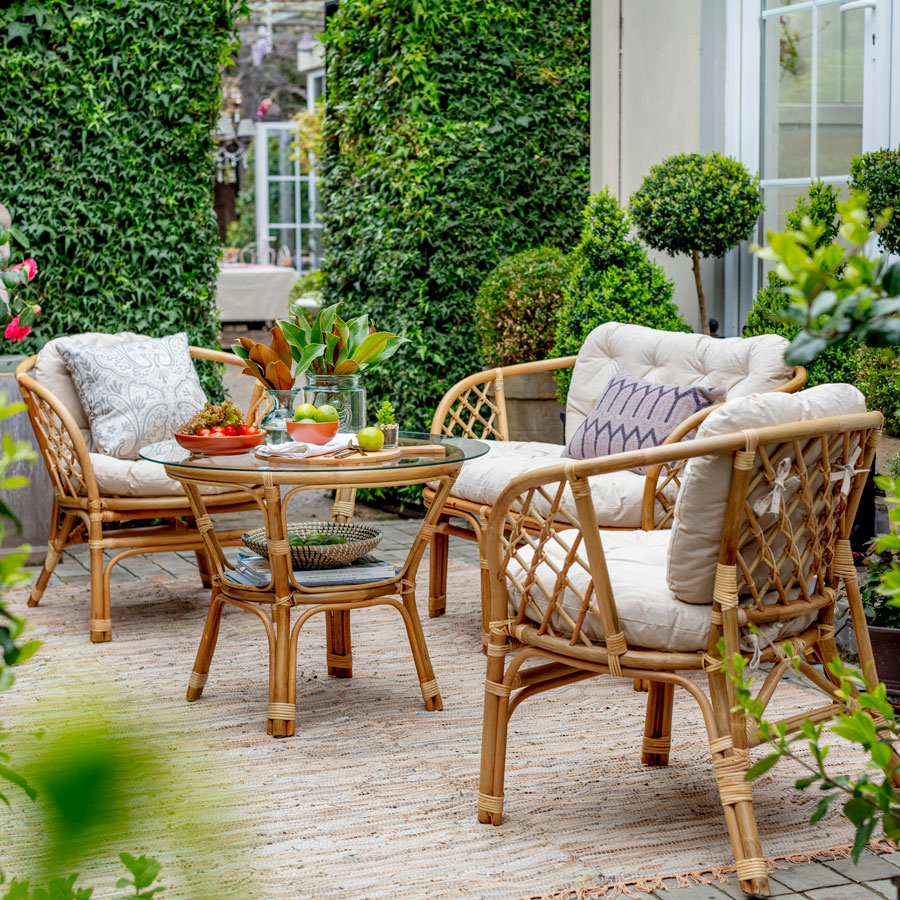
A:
50, 370
617, 496
138, 478
740, 365
700, 508
134, 393
650, 614
632, 413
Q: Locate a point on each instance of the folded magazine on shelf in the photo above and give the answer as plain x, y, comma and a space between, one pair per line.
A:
252, 570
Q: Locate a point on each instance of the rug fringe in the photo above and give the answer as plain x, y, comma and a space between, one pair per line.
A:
633, 888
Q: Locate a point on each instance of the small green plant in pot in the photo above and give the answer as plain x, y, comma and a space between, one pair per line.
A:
387, 423
333, 354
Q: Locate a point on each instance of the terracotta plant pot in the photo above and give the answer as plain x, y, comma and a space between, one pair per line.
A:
886, 650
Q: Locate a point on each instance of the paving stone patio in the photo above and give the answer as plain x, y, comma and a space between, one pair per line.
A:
826, 880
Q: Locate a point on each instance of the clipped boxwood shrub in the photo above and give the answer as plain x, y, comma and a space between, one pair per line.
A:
516, 306
879, 373
697, 205
834, 363
108, 111
878, 174
612, 281
453, 138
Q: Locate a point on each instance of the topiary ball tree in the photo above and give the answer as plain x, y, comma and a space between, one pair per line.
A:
612, 281
515, 310
697, 205
878, 175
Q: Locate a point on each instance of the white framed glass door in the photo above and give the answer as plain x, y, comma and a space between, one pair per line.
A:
810, 87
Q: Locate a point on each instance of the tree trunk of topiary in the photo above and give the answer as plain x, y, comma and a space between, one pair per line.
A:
701, 297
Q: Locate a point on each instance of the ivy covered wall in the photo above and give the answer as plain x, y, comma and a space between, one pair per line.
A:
108, 111
456, 134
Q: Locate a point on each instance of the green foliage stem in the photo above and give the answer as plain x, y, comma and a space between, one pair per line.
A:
515, 310
106, 135
453, 137
612, 281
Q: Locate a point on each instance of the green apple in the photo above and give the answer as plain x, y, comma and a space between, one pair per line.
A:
370, 439
305, 411
327, 413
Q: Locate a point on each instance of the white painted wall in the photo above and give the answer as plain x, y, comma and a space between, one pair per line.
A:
649, 73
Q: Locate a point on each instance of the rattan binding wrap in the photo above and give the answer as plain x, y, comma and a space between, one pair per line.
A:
361, 539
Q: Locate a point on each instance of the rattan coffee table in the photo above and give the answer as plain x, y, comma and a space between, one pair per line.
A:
271, 485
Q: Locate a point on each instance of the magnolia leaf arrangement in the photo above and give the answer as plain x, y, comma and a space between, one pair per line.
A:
271, 365
331, 346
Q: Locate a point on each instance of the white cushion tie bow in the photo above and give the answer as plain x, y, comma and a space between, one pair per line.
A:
771, 501
845, 473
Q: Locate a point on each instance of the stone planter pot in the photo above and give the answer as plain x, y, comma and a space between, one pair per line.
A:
886, 650
532, 408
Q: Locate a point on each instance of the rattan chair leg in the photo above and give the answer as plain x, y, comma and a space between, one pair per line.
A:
207, 646
59, 535
437, 575
204, 567
658, 723
337, 640
496, 708
101, 625
428, 683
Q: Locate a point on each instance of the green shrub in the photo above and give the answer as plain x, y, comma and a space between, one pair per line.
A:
698, 205
612, 281
878, 175
516, 306
879, 375
837, 363
453, 138
108, 111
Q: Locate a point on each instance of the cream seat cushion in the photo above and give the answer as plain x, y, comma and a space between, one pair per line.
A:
740, 365
617, 496
138, 478
50, 370
700, 508
651, 615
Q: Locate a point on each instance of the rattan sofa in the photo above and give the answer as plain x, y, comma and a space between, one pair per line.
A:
475, 407
93, 492
760, 537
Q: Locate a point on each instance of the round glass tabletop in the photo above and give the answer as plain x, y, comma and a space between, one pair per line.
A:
416, 451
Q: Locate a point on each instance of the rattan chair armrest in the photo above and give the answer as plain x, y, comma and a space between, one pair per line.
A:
439, 423
797, 381
31, 389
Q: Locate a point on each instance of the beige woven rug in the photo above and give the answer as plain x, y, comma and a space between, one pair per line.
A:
375, 797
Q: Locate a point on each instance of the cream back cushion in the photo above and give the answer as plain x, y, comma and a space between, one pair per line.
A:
740, 365
50, 370
700, 508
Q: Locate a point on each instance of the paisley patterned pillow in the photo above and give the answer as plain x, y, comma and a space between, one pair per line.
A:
134, 393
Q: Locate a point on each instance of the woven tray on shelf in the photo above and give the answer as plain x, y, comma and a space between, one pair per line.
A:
361, 539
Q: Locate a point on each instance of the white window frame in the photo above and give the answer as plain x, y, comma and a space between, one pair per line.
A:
743, 126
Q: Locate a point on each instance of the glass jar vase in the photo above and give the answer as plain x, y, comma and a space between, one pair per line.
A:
281, 407
344, 393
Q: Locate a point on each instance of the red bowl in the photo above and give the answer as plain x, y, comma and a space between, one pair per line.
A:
312, 432
217, 446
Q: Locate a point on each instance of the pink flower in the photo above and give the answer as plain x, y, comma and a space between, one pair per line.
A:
16, 332
29, 265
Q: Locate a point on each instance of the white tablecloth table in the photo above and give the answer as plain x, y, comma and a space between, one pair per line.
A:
254, 293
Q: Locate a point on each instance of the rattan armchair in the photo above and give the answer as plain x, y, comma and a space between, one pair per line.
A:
82, 512
560, 600
476, 407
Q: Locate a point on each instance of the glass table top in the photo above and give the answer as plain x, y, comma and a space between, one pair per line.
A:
436, 450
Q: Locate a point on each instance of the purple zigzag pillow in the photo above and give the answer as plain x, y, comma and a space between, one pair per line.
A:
632, 413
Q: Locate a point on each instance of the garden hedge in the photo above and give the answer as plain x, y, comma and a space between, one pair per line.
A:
453, 137
108, 161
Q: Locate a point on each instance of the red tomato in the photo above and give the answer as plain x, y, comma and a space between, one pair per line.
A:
218, 429
230, 430
202, 432
217, 434
247, 429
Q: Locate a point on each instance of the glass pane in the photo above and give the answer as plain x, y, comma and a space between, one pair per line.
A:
775, 4
283, 246
279, 145
281, 202
315, 255
779, 202
305, 251
787, 95
840, 89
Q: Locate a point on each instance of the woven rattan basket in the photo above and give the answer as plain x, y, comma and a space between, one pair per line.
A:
360, 540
